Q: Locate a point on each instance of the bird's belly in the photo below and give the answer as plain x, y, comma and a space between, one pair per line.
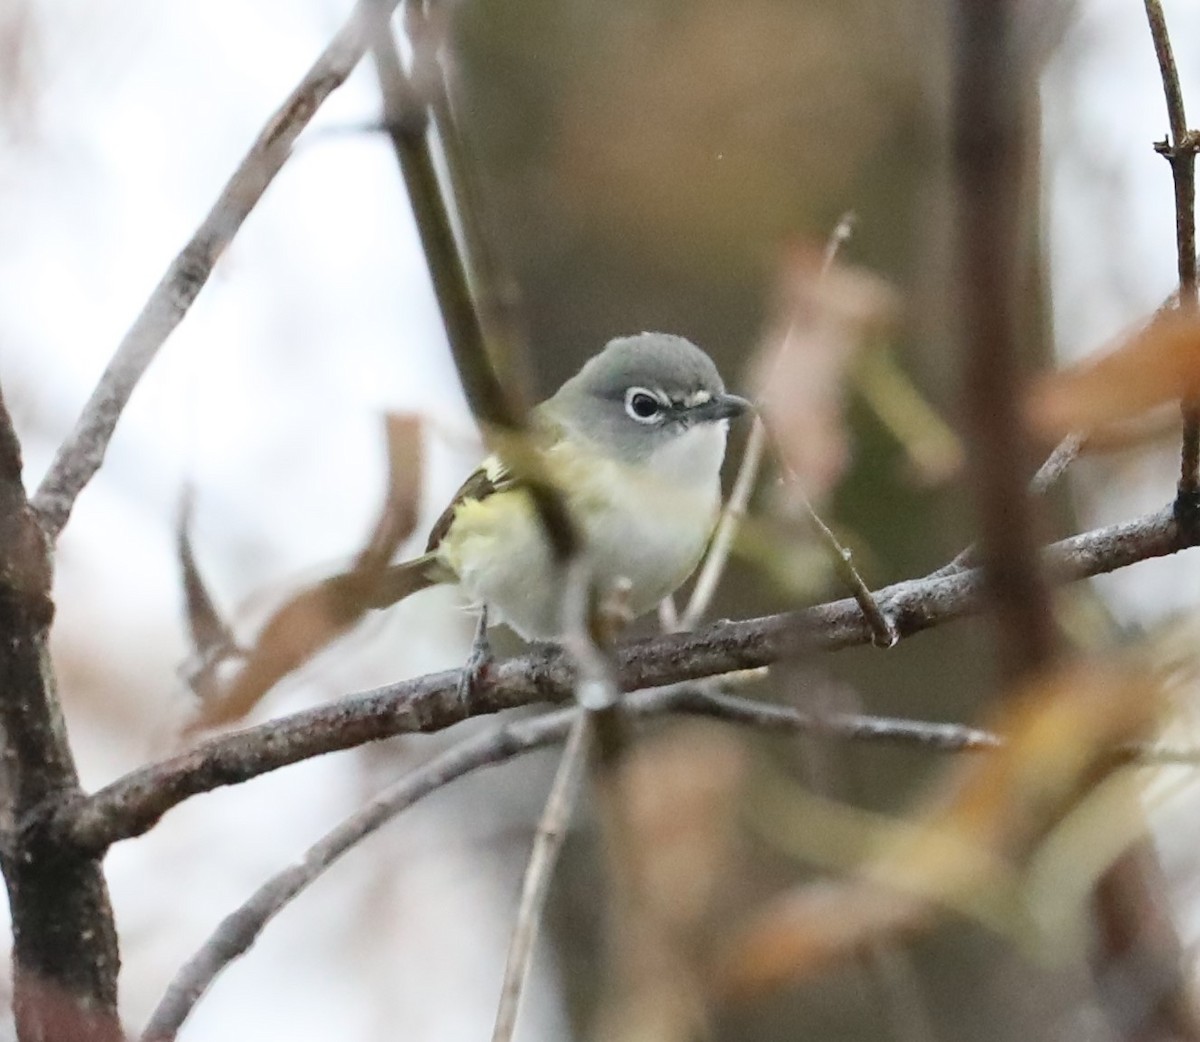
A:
651, 535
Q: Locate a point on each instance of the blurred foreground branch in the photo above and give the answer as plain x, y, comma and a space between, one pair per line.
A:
406, 117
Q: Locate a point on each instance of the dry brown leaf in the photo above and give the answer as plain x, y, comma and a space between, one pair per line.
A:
1157, 364
317, 615
822, 319
212, 640
967, 847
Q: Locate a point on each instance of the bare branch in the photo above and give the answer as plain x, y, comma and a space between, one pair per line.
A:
723, 538
131, 805
1180, 152
1056, 464
717, 557
598, 696
1047, 476
80, 456
547, 845
238, 931
883, 629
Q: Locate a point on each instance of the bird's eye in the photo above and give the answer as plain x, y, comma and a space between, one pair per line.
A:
641, 405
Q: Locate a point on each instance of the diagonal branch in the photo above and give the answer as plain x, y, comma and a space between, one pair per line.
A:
406, 118
239, 930
535, 887
81, 455
131, 805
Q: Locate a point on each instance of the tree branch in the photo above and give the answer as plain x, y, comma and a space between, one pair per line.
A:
131, 805
65, 953
1180, 152
406, 118
237, 932
990, 137
80, 456
535, 886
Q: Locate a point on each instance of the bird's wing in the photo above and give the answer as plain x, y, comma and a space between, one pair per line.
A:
493, 476
490, 477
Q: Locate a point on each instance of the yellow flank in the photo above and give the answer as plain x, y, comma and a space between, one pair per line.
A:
636, 525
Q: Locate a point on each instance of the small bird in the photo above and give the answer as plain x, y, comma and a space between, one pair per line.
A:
634, 443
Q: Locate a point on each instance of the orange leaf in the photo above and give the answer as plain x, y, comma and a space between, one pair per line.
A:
1159, 363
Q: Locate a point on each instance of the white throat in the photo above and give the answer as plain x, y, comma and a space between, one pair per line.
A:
693, 458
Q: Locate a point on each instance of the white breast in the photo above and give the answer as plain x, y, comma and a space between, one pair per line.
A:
646, 523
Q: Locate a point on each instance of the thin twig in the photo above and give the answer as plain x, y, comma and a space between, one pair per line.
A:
598, 696
884, 633
1056, 464
1047, 476
547, 845
726, 532
883, 629
1180, 152
80, 456
717, 558
131, 805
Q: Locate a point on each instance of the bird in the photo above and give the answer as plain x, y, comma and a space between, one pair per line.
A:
634, 444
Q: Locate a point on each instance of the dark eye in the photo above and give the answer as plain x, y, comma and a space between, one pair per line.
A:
641, 405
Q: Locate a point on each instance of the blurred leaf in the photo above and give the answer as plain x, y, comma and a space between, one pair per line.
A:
822, 318
971, 844
931, 445
673, 805
1157, 364
317, 615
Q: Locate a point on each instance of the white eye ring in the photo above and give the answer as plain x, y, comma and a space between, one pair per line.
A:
643, 406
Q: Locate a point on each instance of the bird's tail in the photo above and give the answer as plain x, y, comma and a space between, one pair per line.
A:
398, 581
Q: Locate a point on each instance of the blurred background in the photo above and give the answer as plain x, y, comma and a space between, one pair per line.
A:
640, 164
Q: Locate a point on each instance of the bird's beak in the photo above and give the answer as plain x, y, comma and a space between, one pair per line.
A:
720, 407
